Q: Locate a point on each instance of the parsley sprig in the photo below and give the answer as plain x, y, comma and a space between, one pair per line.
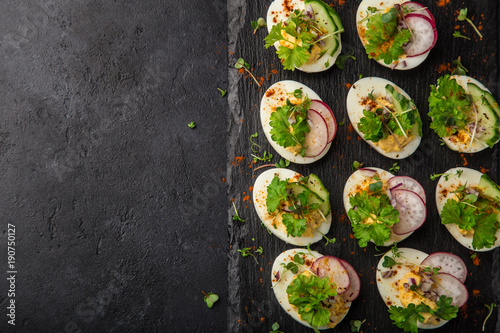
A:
289, 124
385, 40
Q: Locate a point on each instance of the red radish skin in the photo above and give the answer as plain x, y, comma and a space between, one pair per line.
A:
332, 267
355, 283
407, 183
418, 8
412, 211
317, 139
424, 35
447, 263
451, 287
328, 115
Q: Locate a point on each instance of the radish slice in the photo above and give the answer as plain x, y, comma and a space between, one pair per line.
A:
355, 283
447, 263
336, 272
407, 183
327, 114
416, 8
412, 211
424, 35
367, 172
317, 139
451, 287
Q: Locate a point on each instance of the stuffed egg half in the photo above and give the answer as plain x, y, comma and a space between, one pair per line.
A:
409, 279
319, 19
412, 47
307, 266
385, 117
295, 209
299, 126
477, 124
477, 199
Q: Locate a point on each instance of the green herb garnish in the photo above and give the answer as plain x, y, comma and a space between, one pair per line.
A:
192, 124
490, 311
246, 251
460, 69
457, 34
463, 17
275, 328
241, 64
222, 92
356, 325
356, 165
210, 299
341, 59
282, 163
260, 23
446, 176
394, 168
236, 217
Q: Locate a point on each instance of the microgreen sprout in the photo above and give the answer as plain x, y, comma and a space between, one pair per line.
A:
457, 34
490, 308
394, 168
260, 23
460, 69
236, 217
222, 92
356, 325
446, 175
210, 299
342, 123
253, 136
275, 328
246, 251
282, 163
356, 165
192, 124
342, 59
241, 64
463, 17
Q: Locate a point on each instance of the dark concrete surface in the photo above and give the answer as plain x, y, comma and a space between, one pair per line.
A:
119, 207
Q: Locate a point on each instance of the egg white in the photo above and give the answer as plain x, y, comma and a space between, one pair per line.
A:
277, 13
376, 86
411, 62
443, 193
351, 188
259, 200
388, 287
476, 146
287, 278
281, 91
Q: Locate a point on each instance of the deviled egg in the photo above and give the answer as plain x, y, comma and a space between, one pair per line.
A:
385, 117
430, 287
336, 286
383, 208
294, 208
464, 114
297, 123
468, 203
305, 33
397, 34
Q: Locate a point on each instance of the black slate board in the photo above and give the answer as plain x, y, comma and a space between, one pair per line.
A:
253, 307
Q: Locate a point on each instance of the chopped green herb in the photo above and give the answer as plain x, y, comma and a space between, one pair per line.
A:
210, 299
473, 255
192, 124
342, 123
463, 17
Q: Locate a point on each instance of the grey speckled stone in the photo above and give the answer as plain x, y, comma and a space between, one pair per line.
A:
119, 206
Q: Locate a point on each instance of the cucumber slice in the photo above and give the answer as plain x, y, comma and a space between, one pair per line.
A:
324, 16
492, 101
489, 189
486, 115
315, 185
403, 105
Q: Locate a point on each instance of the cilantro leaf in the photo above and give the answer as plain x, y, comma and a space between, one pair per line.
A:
294, 227
294, 57
307, 293
276, 192
378, 211
371, 126
385, 41
448, 106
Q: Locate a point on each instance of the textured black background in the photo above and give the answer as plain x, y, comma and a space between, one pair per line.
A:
122, 212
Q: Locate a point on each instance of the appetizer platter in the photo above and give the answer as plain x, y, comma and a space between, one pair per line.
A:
348, 162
